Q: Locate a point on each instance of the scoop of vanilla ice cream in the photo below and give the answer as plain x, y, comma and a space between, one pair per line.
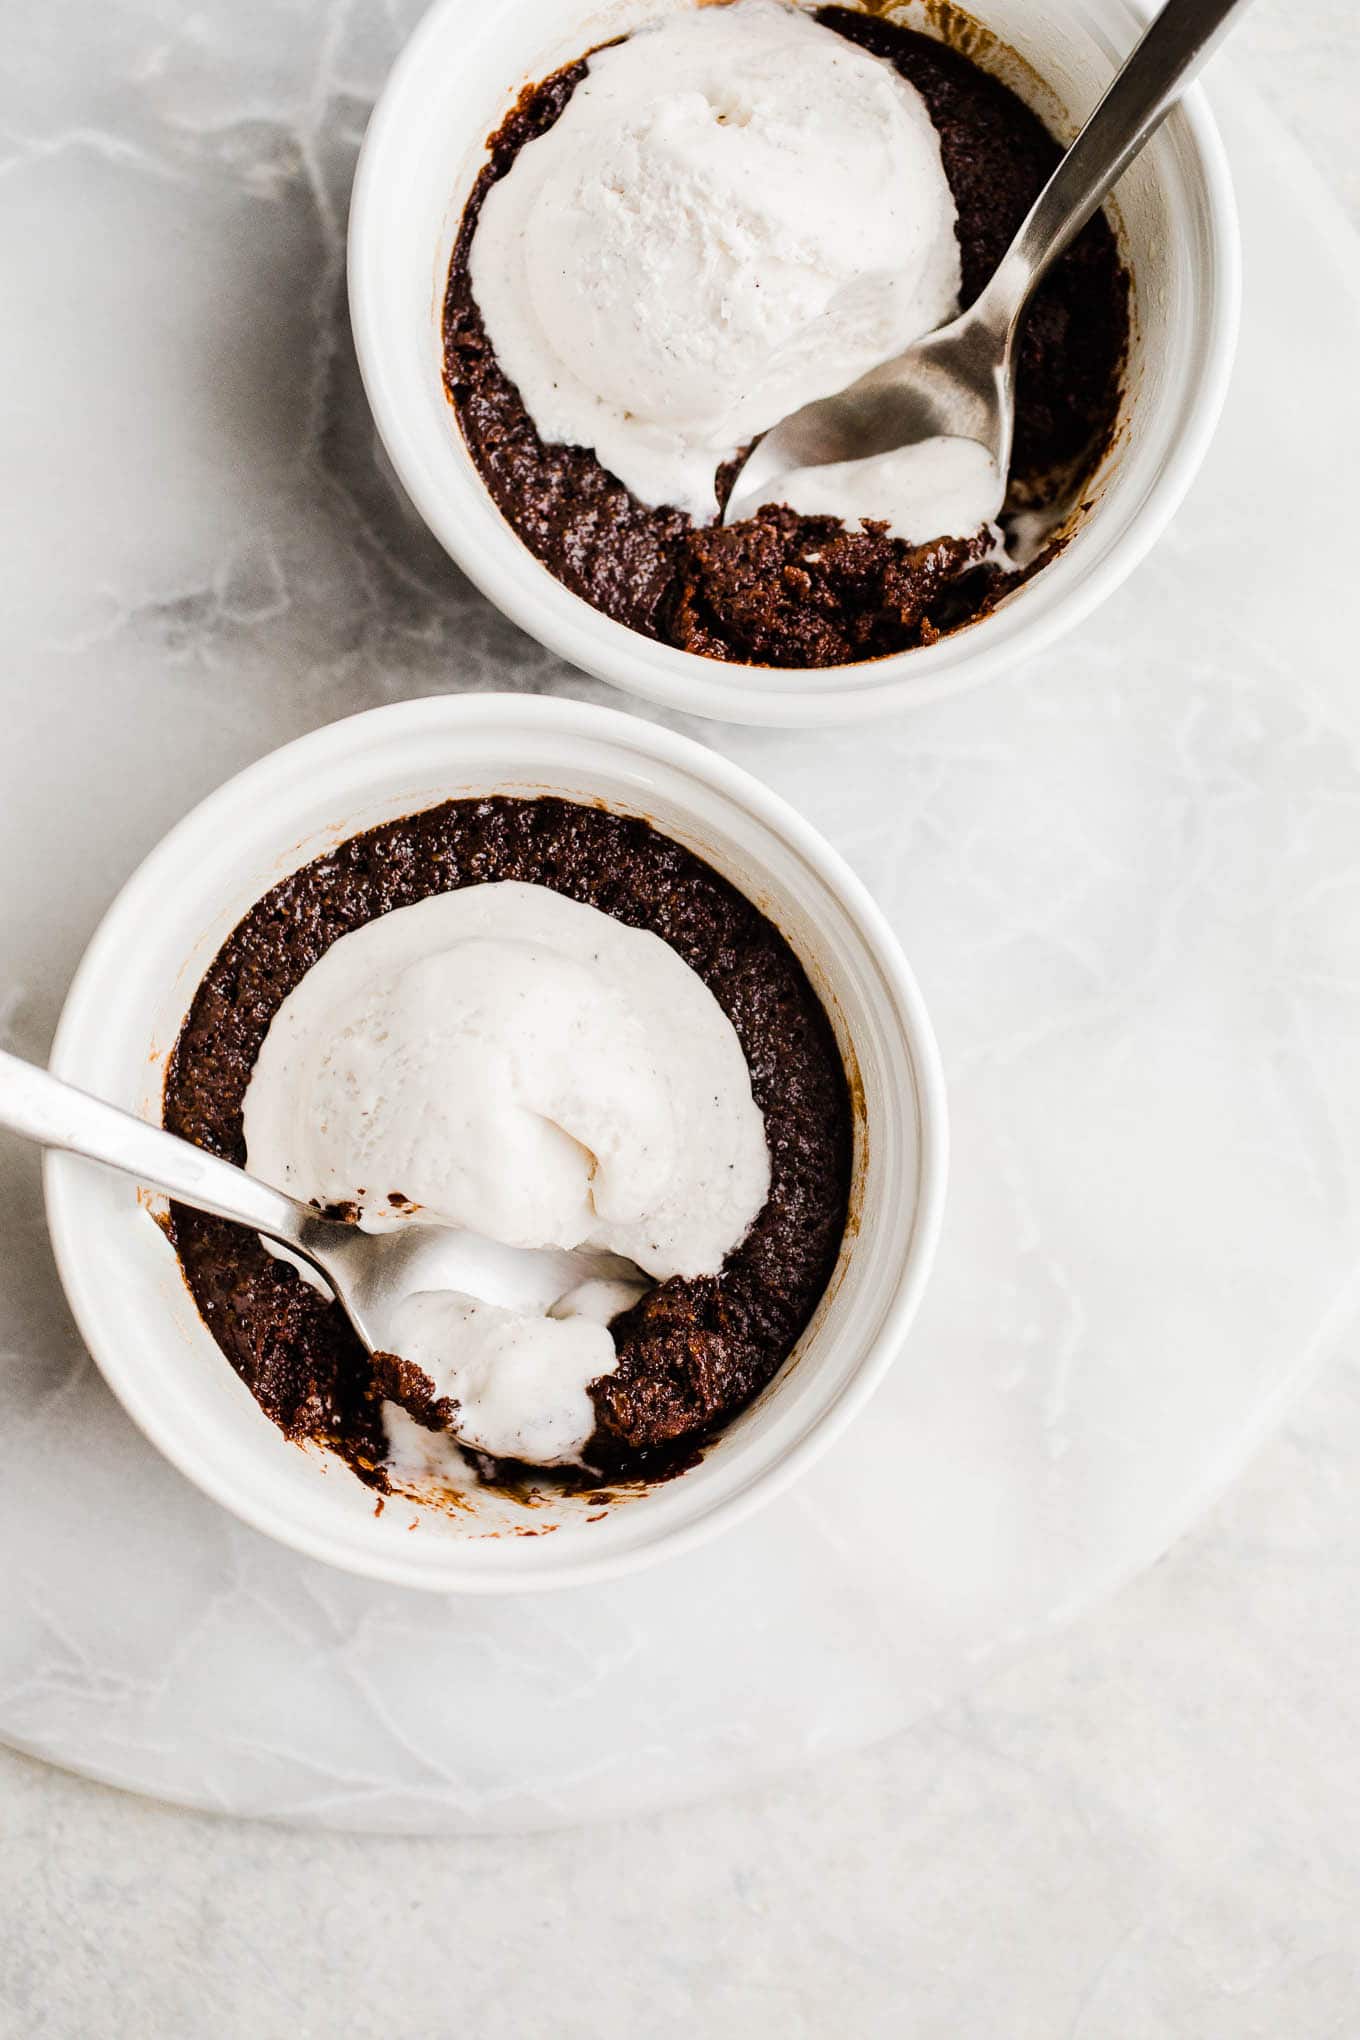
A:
737, 212
513, 1062
526, 1069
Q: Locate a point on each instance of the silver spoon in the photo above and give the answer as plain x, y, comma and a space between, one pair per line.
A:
959, 382
363, 1271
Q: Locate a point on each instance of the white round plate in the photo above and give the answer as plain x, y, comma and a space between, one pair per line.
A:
1126, 877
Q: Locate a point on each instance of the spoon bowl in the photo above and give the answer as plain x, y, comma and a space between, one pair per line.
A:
954, 384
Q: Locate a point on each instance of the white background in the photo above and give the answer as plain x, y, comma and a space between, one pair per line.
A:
1152, 1827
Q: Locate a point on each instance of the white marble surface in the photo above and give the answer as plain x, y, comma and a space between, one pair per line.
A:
1148, 1827
1120, 877
1149, 1830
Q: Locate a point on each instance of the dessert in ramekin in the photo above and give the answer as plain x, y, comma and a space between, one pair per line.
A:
157, 947
426, 157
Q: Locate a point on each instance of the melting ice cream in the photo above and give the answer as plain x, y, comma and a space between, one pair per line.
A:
526, 1073
737, 212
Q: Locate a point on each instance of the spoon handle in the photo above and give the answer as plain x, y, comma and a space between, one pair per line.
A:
44, 1109
1141, 94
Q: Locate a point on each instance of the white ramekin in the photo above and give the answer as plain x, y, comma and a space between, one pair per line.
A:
134, 987
450, 88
